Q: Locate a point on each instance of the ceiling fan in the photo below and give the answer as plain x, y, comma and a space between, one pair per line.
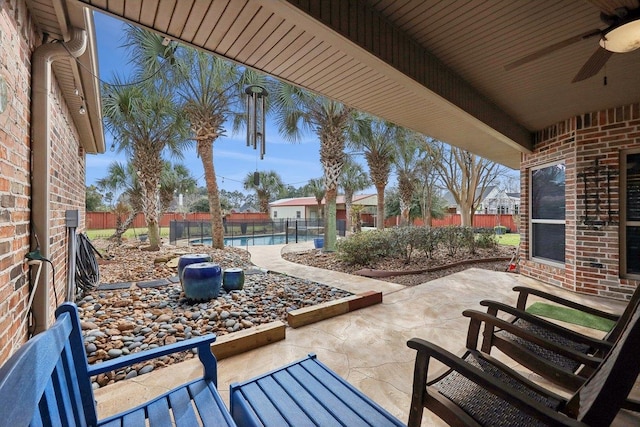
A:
621, 35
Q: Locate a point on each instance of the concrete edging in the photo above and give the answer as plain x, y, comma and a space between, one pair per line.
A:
315, 313
242, 341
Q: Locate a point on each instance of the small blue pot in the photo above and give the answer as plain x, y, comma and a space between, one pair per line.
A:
233, 279
191, 259
318, 242
202, 281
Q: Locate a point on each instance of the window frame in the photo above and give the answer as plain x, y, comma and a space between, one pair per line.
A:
624, 223
533, 221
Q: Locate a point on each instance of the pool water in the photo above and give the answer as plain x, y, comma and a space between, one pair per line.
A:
277, 239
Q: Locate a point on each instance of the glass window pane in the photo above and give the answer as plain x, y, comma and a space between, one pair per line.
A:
633, 187
633, 250
548, 241
547, 193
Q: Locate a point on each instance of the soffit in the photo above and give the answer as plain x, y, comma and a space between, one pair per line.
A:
77, 77
471, 43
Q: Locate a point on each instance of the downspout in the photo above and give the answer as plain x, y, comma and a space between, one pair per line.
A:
42, 59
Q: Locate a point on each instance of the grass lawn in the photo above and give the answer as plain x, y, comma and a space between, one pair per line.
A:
130, 233
510, 239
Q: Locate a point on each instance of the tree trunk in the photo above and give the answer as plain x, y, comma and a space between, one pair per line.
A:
380, 211
466, 217
348, 197
151, 207
330, 222
122, 227
205, 150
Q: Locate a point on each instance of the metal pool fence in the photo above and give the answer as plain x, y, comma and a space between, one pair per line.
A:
243, 233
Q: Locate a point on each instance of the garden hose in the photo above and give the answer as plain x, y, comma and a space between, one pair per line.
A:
87, 270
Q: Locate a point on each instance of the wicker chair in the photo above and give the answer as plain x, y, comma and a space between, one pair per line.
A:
558, 354
477, 390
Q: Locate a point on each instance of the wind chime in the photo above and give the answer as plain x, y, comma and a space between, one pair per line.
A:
256, 96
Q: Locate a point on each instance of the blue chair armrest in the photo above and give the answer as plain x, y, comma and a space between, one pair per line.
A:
203, 344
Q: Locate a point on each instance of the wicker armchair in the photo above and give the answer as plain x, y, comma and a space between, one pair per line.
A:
558, 354
477, 390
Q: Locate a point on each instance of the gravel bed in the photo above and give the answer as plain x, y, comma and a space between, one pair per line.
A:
121, 322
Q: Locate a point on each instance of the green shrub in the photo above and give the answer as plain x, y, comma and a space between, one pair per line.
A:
403, 241
468, 237
486, 238
363, 248
428, 239
453, 238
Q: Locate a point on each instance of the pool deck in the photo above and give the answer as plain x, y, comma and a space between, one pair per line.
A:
368, 346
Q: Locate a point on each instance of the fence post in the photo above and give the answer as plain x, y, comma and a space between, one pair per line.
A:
286, 230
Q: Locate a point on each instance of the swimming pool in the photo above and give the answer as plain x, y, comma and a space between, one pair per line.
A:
276, 239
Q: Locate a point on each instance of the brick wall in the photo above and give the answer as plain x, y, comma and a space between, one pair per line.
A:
592, 237
18, 39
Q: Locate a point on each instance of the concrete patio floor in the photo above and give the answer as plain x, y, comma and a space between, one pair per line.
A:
367, 347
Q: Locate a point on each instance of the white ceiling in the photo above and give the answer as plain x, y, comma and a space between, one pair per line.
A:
434, 66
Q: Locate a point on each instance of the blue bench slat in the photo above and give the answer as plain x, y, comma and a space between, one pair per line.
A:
266, 412
294, 404
33, 363
182, 409
117, 423
209, 404
72, 381
62, 387
338, 402
134, 419
372, 413
49, 406
158, 412
36, 421
317, 392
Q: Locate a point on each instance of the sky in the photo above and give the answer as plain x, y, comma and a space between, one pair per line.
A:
296, 163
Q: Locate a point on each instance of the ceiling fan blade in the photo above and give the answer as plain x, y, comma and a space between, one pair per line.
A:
550, 49
593, 65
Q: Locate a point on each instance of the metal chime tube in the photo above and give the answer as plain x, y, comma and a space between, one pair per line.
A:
248, 109
256, 117
262, 127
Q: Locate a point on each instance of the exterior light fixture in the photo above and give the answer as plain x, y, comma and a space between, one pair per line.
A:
256, 96
624, 35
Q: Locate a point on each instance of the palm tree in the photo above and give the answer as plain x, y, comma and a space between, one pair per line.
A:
376, 138
353, 179
123, 179
409, 150
316, 186
208, 89
299, 109
175, 179
268, 185
144, 123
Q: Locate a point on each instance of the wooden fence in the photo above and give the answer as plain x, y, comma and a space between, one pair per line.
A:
108, 220
479, 220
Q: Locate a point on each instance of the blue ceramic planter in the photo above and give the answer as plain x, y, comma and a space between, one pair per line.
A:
318, 242
191, 259
202, 281
233, 279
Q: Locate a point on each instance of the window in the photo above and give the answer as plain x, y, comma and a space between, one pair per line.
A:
630, 214
298, 215
275, 214
548, 213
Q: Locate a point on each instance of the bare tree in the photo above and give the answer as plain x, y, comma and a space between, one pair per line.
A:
465, 175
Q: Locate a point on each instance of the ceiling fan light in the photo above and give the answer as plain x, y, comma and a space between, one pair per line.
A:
622, 39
